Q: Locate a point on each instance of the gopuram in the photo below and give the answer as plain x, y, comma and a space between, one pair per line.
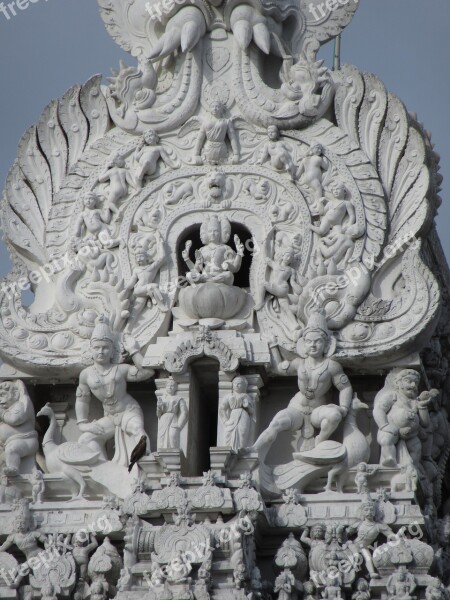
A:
232, 381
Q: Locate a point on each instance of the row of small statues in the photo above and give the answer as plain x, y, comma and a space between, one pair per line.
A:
331, 562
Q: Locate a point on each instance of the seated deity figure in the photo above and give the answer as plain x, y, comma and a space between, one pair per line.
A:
149, 254
93, 222
401, 414
215, 261
18, 438
317, 372
401, 585
237, 412
107, 380
172, 413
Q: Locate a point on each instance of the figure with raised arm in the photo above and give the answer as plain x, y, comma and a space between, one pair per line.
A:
148, 250
18, 437
312, 168
317, 373
215, 261
107, 380
119, 178
147, 155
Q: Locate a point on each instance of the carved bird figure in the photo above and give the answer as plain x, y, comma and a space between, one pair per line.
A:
138, 452
60, 457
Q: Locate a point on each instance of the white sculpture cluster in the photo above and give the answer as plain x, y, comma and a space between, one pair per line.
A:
231, 253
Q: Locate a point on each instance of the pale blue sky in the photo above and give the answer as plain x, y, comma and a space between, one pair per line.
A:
54, 44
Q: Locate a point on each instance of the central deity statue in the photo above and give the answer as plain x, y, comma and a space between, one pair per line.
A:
212, 294
107, 380
317, 373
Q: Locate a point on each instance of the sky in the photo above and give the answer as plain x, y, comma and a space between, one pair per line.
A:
54, 44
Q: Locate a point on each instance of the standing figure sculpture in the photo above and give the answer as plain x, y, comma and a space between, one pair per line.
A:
237, 412
172, 413
400, 414
312, 169
317, 372
119, 178
107, 380
18, 438
149, 254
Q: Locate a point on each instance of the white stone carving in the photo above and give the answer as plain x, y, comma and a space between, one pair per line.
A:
172, 414
18, 438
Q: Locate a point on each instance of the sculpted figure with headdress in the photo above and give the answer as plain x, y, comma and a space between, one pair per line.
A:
18, 438
107, 380
317, 373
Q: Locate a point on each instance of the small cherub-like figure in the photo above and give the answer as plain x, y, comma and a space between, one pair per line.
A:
211, 143
363, 472
37, 485
9, 493
259, 189
18, 437
172, 413
99, 588
119, 178
368, 530
279, 152
81, 551
336, 210
148, 219
362, 591
93, 222
401, 585
283, 277
237, 412
286, 585
406, 480
312, 169
215, 261
149, 254
146, 157
317, 546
